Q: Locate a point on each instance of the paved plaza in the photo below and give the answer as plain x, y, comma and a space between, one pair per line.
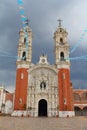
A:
22, 123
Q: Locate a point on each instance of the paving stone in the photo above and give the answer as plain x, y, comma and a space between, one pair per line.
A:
21, 123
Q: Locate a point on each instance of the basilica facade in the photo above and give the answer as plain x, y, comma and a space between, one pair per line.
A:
43, 89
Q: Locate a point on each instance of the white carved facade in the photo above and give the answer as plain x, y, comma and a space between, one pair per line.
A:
43, 84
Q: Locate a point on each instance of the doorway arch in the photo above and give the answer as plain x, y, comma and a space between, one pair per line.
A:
42, 108
78, 111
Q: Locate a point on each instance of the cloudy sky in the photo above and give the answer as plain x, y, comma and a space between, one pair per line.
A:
43, 16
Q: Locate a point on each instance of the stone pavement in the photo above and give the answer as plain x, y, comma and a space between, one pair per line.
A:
22, 123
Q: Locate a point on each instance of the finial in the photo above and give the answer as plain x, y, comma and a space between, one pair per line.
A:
60, 21
27, 21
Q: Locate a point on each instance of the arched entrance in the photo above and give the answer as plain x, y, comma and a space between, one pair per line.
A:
78, 111
42, 108
85, 111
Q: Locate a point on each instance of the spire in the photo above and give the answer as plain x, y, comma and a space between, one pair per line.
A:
60, 21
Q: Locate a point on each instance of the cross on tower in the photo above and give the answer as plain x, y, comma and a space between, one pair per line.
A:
27, 21
60, 21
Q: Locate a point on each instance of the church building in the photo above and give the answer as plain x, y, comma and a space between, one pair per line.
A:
43, 89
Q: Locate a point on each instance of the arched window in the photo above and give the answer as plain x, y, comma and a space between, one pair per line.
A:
61, 40
76, 97
24, 40
84, 97
24, 56
60, 30
62, 56
43, 85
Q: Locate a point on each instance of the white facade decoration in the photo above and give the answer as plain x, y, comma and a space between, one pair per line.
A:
43, 72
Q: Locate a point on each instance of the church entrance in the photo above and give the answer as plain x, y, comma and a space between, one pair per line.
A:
42, 108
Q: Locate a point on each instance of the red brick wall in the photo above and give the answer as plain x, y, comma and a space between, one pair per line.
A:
9, 96
21, 89
65, 90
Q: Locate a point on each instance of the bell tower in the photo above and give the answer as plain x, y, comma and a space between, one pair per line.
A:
61, 45
62, 62
23, 62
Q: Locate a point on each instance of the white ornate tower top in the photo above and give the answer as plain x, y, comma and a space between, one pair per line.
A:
25, 46
61, 45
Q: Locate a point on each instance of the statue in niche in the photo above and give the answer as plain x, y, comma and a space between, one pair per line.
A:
43, 85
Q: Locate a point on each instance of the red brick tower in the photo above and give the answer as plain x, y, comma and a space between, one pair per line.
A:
23, 63
63, 64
